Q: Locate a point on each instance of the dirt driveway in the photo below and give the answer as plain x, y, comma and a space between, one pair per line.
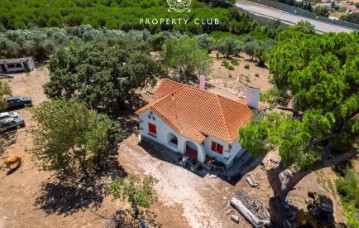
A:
203, 200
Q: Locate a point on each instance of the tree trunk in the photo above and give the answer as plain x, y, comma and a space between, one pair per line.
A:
136, 211
282, 181
84, 169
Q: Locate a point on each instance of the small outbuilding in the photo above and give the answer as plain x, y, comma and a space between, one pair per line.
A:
17, 65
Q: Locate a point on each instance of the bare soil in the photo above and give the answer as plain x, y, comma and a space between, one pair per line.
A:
31, 198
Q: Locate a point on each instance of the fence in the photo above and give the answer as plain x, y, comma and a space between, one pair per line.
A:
305, 13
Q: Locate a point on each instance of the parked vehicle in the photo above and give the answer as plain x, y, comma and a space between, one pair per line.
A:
5, 115
9, 124
18, 102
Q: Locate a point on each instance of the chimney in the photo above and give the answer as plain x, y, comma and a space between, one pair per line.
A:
252, 98
202, 82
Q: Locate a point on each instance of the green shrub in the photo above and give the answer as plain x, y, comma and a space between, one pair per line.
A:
348, 190
248, 79
347, 186
227, 65
257, 75
247, 66
341, 168
235, 62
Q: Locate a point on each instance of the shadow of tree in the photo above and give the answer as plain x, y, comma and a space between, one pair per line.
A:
66, 198
124, 219
7, 139
127, 119
66, 195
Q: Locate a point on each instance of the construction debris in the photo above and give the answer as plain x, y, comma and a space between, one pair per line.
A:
228, 211
251, 181
235, 218
252, 218
252, 209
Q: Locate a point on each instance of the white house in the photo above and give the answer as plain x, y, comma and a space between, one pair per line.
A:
17, 65
197, 123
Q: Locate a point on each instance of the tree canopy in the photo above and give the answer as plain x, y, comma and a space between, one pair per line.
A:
119, 14
186, 57
103, 73
319, 75
71, 138
229, 46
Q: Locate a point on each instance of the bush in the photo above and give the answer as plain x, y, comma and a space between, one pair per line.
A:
348, 186
247, 66
257, 75
248, 79
227, 65
348, 189
235, 62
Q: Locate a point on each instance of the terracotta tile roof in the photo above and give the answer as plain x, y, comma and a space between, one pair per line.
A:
195, 113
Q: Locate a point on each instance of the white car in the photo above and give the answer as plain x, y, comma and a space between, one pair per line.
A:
5, 115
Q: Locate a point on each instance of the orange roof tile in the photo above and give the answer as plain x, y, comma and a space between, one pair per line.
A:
195, 113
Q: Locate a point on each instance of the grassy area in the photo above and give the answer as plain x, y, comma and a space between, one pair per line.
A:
347, 187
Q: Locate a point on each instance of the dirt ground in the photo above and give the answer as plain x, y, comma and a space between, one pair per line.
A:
184, 199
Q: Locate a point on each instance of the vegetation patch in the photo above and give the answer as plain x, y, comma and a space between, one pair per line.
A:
227, 65
235, 62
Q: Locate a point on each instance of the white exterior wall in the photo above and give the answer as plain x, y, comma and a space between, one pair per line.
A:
163, 131
228, 155
30, 63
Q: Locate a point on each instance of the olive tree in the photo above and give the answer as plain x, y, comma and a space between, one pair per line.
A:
229, 46
205, 42
186, 57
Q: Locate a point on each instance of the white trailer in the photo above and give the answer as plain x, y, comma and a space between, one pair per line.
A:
17, 65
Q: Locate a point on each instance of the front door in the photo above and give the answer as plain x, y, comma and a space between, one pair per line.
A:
191, 153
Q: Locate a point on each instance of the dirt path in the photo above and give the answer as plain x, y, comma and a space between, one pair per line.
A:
203, 199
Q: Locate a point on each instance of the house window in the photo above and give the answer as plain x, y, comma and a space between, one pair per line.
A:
216, 147
152, 128
174, 140
18, 65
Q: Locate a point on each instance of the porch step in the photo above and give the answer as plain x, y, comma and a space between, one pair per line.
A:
195, 167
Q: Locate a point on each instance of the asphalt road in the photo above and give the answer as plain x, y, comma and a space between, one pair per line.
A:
291, 18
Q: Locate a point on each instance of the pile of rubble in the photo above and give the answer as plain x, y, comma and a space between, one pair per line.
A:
255, 206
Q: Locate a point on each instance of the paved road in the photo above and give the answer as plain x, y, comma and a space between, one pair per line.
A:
291, 18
